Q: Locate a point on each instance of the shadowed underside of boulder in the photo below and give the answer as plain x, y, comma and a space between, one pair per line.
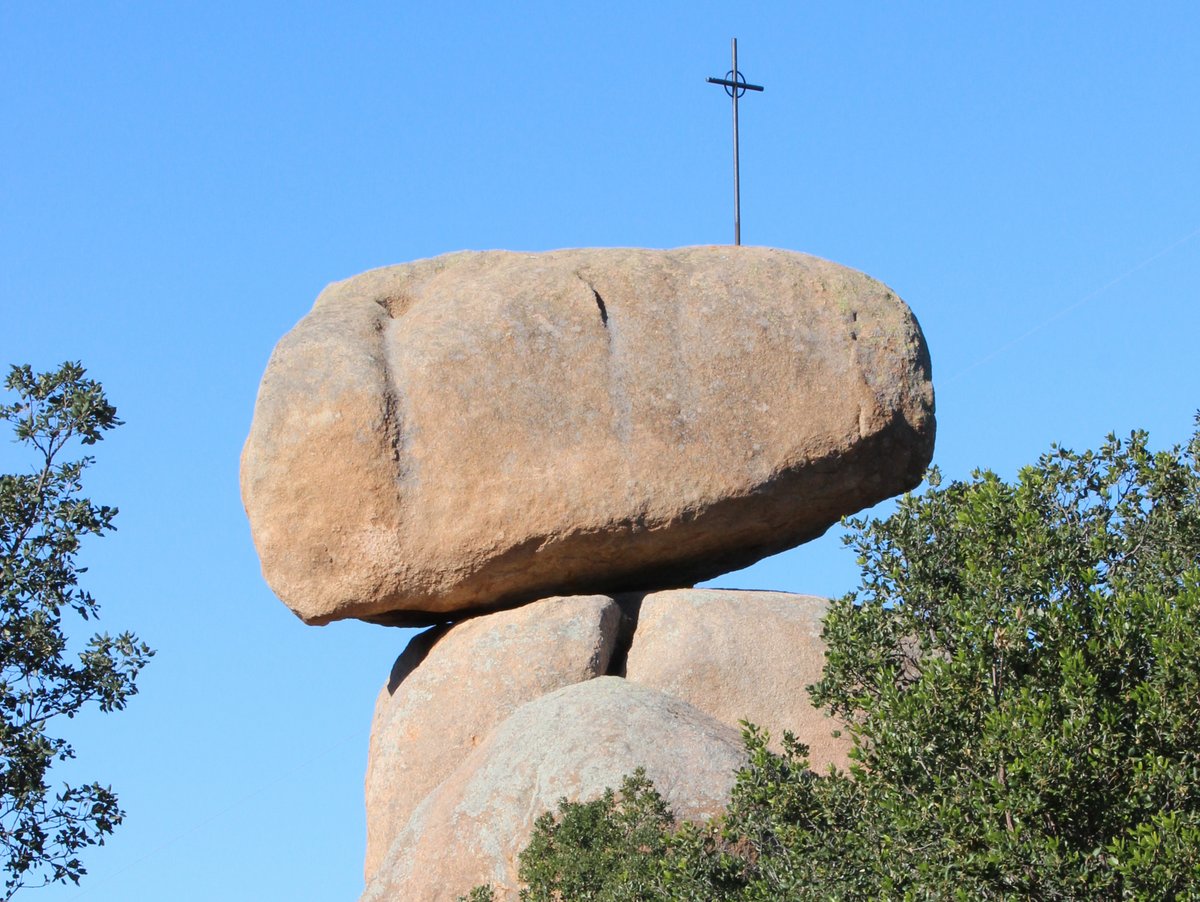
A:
479, 430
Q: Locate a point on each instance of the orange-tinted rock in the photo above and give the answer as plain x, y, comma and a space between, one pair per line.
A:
573, 743
483, 429
737, 656
453, 685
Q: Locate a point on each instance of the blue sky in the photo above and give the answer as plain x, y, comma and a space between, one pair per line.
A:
179, 180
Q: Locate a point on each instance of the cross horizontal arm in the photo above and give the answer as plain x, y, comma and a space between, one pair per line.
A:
734, 84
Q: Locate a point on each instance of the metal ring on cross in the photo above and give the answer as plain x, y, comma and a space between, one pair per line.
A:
738, 79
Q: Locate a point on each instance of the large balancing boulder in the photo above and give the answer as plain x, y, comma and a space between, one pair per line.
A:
483, 429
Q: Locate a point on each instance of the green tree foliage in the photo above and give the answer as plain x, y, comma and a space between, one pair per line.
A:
599, 851
43, 518
604, 850
1020, 675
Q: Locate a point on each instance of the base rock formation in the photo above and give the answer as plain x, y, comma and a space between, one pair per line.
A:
465, 754
470, 677
572, 743
480, 430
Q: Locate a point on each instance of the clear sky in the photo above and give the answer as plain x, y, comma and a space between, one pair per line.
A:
179, 180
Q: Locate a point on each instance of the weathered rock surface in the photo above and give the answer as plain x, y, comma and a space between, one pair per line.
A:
453, 685
739, 655
574, 742
728, 654
482, 429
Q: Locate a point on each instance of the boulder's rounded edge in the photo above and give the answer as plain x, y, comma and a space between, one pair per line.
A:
454, 684
572, 743
740, 655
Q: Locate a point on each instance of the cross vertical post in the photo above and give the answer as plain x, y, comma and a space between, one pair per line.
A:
737, 173
735, 86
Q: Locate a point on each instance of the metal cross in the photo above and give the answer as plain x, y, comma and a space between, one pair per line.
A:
735, 86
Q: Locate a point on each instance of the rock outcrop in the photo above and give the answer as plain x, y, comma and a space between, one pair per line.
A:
717, 655
739, 656
479, 430
573, 743
454, 684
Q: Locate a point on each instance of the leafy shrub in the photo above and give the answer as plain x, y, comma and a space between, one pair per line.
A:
44, 518
1020, 675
